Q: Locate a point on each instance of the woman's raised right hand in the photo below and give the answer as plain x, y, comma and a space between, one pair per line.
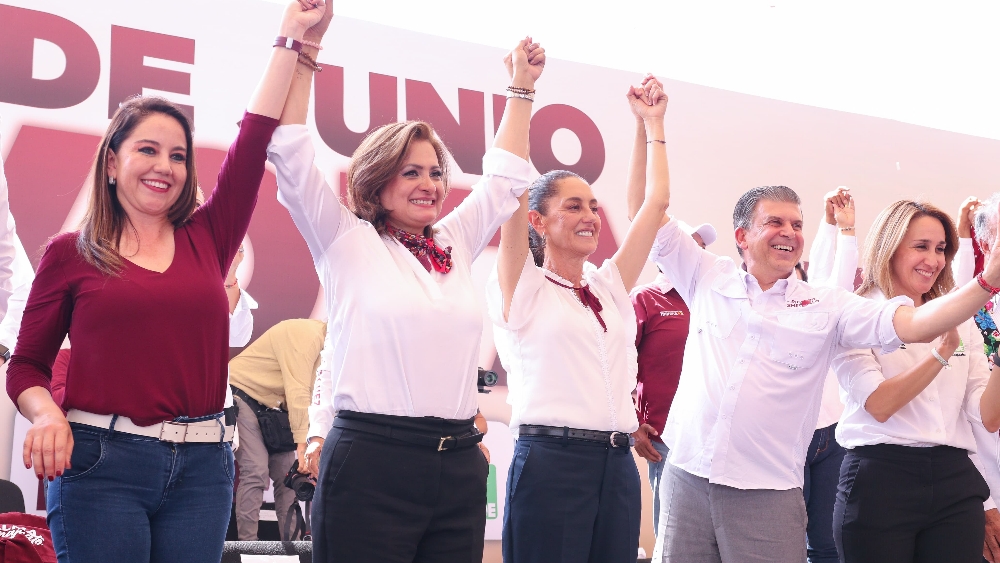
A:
525, 62
48, 445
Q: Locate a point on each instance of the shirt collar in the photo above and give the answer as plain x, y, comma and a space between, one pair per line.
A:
662, 283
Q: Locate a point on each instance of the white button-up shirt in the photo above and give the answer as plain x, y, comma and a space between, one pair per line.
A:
754, 364
241, 320
21, 278
400, 340
563, 369
938, 416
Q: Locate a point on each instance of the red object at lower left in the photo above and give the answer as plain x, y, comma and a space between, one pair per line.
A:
25, 538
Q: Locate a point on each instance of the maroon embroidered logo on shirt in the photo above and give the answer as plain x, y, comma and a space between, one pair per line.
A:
803, 303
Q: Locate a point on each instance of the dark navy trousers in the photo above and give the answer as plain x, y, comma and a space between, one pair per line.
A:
571, 501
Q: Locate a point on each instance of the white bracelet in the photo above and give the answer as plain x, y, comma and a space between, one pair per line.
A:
523, 96
937, 356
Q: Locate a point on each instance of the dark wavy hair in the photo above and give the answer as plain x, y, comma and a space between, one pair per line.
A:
539, 192
102, 225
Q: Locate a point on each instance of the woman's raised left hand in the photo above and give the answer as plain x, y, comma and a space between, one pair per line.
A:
647, 100
300, 15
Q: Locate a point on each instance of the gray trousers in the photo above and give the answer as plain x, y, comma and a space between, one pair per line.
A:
256, 466
702, 522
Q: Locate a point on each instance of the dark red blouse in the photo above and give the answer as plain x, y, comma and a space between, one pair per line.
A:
146, 345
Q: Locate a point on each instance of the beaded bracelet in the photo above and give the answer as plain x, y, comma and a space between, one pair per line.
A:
521, 90
310, 62
231, 285
521, 95
312, 44
656, 141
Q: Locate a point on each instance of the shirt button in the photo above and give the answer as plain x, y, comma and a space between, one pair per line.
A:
732, 387
724, 417
741, 361
753, 337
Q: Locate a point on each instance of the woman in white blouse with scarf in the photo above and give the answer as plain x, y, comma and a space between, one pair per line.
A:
401, 478
908, 490
565, 333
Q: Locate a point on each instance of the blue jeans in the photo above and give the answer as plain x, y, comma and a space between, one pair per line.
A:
132, 499
822, 473
655, 472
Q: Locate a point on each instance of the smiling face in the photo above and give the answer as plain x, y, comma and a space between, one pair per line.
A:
414, 196
570, 225
150, 167
919, 259
773, 243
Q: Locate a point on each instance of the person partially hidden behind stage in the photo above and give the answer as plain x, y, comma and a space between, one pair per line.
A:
275, 372
401, 478
565, 333
141, 468
748, 401
908, 490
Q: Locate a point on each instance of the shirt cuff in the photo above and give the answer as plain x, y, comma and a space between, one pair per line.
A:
663, 236
887, 331
989, 504
849, 240
498, 162
828, 229
965, 243
863, 385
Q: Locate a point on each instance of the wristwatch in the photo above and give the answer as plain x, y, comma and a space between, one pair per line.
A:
5, 353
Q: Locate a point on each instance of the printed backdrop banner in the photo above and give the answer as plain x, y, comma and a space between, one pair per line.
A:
66, 65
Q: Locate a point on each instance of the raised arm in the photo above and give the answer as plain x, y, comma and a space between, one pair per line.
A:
524, 65
939, 315
963, 265
650, 103
845, 260
272, 90
229, 209
635, 182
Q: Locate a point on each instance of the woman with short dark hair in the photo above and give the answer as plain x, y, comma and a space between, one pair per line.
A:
142, 450
565, 332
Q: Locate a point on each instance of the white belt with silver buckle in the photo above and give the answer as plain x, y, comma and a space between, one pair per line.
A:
175, 432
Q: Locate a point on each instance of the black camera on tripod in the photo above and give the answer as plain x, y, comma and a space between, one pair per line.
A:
487, 378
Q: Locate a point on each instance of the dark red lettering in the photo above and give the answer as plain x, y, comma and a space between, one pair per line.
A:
551, 118
18, 30
465, 136
330, 108
129, 75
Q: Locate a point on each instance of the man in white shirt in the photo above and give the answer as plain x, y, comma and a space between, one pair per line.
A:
758, 353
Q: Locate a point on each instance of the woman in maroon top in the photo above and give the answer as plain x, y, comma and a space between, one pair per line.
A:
142, 453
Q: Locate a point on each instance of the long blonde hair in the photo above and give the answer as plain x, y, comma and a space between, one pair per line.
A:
887, 235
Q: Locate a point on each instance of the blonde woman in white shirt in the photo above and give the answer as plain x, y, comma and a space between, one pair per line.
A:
908, 490
565, 333
401, 478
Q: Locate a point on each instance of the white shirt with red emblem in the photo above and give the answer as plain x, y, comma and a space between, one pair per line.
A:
755, 363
